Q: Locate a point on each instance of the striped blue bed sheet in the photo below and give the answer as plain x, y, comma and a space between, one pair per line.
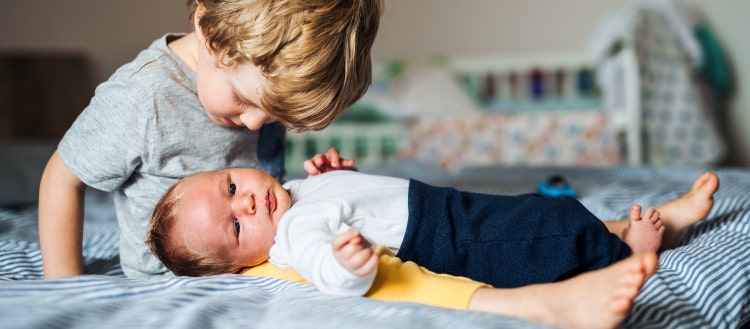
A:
705, 283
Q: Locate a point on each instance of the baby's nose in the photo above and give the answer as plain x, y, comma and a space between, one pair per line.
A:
246, 204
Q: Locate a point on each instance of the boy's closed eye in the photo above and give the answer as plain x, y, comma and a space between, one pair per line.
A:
241, 102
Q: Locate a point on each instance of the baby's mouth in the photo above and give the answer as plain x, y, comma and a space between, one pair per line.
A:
271, 202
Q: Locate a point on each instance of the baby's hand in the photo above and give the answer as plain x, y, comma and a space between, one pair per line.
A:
354, 253
329, 161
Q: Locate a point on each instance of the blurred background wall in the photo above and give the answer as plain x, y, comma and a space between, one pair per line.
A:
111, 33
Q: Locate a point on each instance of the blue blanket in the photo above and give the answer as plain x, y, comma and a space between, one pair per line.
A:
705, 283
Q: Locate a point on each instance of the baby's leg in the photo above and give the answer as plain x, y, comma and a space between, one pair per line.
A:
643, 233
596, 299
679, 214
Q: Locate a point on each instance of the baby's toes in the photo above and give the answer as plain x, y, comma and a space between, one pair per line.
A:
651, 214
659, 224
635, 213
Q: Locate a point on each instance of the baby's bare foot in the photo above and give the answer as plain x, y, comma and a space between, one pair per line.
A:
602, 298
691, 207
596, 299
643, 233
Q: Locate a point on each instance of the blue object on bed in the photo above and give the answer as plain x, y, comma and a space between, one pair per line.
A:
705, 283
555, 186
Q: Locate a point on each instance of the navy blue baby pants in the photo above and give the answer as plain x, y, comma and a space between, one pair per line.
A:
505, 241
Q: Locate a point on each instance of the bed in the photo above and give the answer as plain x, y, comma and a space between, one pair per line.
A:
705, 283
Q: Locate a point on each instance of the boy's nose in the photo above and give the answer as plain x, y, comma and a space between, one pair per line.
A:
254, 120
252, 124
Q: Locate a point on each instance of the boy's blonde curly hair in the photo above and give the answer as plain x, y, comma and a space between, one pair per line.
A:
314, 54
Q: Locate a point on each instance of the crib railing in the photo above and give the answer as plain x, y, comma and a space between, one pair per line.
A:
369, 144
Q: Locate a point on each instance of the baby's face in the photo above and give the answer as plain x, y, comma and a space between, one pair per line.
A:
230, 214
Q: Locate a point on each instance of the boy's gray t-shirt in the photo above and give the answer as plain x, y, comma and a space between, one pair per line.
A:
144, 128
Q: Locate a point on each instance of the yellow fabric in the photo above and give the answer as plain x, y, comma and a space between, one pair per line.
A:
398, 281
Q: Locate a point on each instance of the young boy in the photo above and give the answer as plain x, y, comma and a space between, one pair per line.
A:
223, 221
204, 101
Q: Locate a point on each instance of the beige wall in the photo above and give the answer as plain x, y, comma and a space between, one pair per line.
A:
415, 28
112, 32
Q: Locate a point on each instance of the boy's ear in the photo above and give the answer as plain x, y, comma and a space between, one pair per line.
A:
199, 11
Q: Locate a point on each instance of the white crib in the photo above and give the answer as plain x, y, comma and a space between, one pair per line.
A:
513, 91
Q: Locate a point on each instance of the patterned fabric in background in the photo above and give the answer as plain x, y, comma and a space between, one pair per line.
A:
573, 138
679, 118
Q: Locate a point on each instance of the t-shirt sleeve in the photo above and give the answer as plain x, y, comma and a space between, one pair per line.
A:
106, 142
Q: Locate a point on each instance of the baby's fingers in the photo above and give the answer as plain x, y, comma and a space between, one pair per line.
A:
365, 262
340, 240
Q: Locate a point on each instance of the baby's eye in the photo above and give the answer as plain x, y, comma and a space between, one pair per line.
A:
232, 188
236, 226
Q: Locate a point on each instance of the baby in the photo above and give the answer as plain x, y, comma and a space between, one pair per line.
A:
323, 226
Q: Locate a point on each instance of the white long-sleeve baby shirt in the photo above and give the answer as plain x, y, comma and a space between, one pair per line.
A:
332, 203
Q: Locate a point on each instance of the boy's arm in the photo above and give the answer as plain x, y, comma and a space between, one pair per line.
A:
61, 196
